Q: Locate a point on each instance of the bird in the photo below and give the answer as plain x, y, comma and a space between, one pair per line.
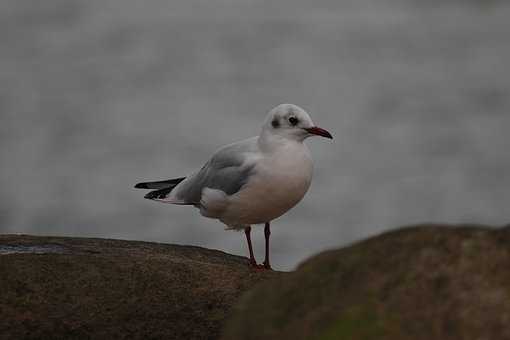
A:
253, 181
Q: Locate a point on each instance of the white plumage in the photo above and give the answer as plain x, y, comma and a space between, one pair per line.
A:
252, 181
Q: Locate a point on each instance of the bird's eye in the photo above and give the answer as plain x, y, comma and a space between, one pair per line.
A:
293, 120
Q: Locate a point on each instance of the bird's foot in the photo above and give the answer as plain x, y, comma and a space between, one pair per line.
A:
266, 265
253, 263
256, 266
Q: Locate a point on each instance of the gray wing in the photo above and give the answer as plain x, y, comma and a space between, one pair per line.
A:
227, 170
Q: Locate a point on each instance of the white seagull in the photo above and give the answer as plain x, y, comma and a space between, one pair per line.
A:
252, 181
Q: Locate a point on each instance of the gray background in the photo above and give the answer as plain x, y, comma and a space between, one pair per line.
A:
96, 95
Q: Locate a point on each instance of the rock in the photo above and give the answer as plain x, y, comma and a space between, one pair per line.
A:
424, 282
61, 288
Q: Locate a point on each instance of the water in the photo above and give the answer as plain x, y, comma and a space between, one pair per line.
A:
98, 95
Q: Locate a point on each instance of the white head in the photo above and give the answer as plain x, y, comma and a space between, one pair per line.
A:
289, 121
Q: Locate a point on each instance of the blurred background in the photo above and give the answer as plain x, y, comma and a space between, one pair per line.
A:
97, 95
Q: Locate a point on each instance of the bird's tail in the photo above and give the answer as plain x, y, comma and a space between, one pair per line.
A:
163, 188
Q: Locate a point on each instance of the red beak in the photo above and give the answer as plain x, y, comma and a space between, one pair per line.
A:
319, 132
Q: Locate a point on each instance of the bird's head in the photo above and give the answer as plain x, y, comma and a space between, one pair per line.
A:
292, 122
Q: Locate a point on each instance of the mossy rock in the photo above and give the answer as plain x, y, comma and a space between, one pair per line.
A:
424, 282
76, 288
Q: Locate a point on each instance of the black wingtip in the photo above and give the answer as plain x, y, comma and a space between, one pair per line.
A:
158, 194
150, 196
169, 183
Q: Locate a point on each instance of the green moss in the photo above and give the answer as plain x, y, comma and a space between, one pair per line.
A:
357, 322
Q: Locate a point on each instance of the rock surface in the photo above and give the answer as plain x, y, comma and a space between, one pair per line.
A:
61, 288
424, 282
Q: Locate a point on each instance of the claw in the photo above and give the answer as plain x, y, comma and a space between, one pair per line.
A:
256, 266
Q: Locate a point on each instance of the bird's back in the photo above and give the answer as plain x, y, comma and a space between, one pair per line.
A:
227, 170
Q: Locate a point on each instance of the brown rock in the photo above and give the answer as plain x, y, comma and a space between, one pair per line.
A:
424, 282
61, 288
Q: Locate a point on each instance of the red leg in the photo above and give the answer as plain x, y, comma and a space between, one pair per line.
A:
267, 233
247, 232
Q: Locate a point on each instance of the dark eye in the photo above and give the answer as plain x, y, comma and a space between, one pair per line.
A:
293, 120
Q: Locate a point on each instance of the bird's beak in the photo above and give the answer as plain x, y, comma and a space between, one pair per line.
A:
315, 130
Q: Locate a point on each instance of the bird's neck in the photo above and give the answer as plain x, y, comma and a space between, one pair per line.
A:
271, 142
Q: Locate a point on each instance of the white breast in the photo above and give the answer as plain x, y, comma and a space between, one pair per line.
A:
281, 180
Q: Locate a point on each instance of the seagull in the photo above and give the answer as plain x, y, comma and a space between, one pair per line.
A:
253, 181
